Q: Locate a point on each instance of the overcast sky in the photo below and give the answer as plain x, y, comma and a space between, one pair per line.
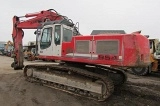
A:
128, 15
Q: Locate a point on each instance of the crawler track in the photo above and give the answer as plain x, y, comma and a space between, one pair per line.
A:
52, 69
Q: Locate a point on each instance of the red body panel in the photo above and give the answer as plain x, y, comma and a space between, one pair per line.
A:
132, 50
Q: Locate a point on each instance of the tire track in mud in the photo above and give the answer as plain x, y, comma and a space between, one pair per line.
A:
141, 91
17, 91
142, 86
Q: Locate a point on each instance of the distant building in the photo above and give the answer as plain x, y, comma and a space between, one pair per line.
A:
96, 32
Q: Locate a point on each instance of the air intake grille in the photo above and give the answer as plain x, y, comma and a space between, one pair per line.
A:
107, 47
82, 46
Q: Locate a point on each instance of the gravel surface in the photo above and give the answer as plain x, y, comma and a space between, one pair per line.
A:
16, 91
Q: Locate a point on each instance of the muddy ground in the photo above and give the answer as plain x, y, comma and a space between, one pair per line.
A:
15, 91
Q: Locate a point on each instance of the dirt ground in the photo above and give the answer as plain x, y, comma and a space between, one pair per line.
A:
15, 91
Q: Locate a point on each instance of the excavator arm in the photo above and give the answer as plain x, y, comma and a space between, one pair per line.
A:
35, 20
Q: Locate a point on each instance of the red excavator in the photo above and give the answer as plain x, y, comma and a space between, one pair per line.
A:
87, 66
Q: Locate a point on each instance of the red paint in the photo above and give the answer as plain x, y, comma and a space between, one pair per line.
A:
132, 47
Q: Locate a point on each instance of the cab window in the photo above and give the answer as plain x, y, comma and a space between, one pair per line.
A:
67, 35
46, 38
57, 35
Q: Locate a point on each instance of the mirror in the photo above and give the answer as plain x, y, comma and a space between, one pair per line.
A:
37, 32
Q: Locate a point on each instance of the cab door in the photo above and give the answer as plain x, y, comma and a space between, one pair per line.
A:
45, 41
50, 43
57, 40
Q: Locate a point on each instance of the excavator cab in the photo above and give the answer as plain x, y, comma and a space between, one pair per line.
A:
51, 38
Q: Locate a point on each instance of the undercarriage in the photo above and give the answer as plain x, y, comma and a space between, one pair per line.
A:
92, 81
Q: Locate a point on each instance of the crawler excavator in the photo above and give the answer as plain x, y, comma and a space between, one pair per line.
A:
84, 68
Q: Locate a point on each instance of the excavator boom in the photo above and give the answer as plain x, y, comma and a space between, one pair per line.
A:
33, 23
